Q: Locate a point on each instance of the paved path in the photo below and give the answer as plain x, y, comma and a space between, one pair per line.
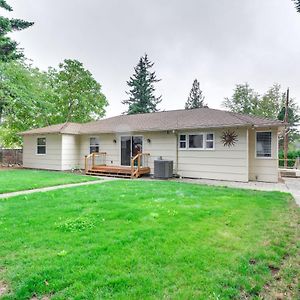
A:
56, 187
293, 185
290, 185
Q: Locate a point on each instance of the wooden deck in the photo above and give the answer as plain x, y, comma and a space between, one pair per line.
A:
138, 166
117, 171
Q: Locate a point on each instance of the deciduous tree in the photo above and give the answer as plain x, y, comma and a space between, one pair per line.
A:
35, 99
77, 94
270, 105
244, 100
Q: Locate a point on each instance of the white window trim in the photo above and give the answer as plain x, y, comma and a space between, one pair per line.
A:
185, 141
36, 145
204, 141
255, 150
213, 140
95, 145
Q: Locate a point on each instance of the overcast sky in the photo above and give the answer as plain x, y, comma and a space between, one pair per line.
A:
219, 42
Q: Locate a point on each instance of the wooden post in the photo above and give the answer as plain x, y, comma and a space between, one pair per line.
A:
132, 167
139, 164
286, 132
93, 160
85, 164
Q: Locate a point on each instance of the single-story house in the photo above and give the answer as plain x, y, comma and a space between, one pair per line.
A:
202, 143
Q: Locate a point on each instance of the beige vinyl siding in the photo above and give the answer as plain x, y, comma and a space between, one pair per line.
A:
107, 145
263, 169
237, 163
221, 163
70, 152
161, 144
51, 160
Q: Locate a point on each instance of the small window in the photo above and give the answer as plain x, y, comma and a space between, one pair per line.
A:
196, 141
209, 141
94, 145
182, 141
41, 146
263, 144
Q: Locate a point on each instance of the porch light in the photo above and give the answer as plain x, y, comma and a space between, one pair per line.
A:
149, 141
115, 141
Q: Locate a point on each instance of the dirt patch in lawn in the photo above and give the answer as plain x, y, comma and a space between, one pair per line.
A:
3, 288
41, 298
285, 282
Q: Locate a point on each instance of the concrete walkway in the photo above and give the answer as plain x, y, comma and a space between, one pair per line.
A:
290, 185
293, 185
56, 187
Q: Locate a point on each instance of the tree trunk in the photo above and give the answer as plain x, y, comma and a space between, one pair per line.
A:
286, 132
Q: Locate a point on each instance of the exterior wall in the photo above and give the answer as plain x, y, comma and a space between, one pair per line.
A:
221, 163
161, 144
263, 169
51, 160
106, 145
237, 163
70, 152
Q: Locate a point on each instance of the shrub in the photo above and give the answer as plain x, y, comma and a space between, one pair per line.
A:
292, 155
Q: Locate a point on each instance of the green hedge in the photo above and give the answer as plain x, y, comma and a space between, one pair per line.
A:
291, 155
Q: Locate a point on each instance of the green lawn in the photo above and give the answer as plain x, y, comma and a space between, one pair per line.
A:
19, 180
148, 240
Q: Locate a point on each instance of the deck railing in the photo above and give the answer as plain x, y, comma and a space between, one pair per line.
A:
95, 159
289, 163
141, 160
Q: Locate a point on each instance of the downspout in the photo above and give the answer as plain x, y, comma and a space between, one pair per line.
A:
176, 147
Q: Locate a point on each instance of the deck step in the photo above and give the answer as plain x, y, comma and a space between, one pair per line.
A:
108, 174
294, 173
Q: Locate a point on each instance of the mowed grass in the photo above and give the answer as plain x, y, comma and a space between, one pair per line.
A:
22, 179
146, 240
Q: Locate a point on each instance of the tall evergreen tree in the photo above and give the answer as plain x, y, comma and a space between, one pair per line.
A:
196, 98
297, 4
141, 92
8, 47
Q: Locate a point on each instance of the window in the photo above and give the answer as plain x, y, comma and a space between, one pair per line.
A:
196, 141
94, 144
263, 144
41, 146
209, 141
199, 141
182, 141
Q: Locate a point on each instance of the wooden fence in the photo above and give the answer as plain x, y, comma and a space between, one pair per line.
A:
11, 156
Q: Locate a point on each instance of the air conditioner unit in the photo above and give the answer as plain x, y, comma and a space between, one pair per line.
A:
163, 169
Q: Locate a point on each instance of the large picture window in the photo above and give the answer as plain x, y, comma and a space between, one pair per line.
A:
264, 144
197, 141
94, 145
41, 145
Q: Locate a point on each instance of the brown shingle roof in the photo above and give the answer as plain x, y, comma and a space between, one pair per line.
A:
166, 120
68, 128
